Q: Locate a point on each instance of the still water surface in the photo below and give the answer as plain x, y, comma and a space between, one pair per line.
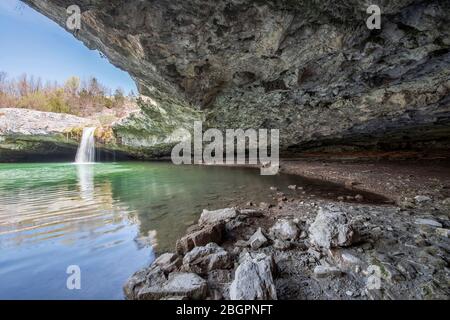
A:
109, 219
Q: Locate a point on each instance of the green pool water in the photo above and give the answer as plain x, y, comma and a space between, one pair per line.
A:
110, 219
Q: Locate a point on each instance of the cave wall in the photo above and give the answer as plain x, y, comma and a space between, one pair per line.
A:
309, 68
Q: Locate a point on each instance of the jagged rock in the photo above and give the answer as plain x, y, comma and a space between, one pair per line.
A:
179, 284
152, 276
216, 216
284, 230
428, 222
257, 240
218, 283
201, 260
168, 262
200, 236
331, 228
326, 271
253, 279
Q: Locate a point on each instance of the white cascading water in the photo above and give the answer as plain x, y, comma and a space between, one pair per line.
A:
86, 149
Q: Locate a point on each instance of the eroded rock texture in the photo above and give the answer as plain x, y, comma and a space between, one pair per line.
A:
307, 67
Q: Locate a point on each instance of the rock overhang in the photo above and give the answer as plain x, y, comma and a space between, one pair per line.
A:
311, 69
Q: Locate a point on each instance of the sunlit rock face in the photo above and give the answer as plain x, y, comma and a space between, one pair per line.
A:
29, 134
309, 68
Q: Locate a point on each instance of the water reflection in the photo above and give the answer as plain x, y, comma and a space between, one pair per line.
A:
108, 218
85, 174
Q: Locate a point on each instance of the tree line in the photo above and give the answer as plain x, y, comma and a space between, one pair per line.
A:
75, 96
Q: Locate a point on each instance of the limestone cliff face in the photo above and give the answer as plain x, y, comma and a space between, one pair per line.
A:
29, 134
307, 67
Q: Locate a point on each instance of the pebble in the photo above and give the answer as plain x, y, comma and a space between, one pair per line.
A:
443, 232
422, 199
428, 222
326, 271
349, 258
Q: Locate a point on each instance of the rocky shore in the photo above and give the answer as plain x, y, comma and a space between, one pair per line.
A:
306, 248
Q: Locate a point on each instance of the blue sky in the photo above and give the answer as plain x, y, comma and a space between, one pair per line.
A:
33, 44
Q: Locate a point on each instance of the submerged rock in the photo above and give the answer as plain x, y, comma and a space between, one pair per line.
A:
331, 228
253, 279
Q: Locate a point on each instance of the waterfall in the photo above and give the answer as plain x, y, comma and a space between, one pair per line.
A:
86, 150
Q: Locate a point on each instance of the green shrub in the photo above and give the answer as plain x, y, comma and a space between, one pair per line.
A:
57, 103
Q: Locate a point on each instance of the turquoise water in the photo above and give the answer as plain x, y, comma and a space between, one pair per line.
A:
109, 219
